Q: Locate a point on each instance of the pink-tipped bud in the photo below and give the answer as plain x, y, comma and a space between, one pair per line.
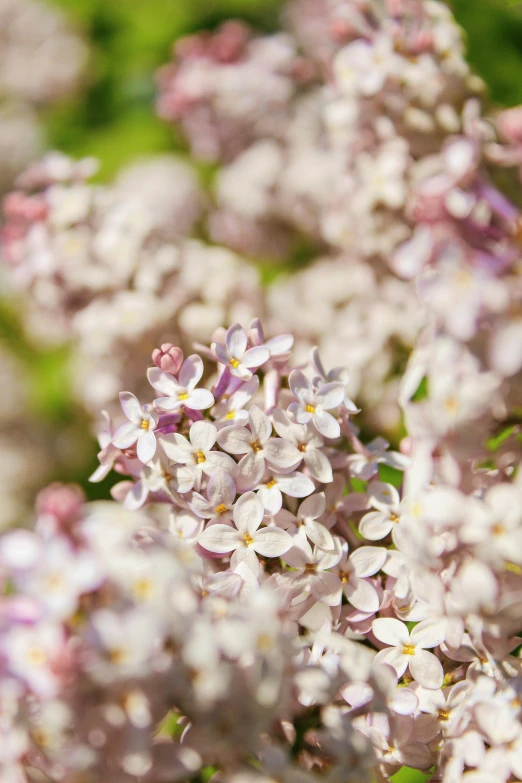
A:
63, 502
168, 358
509, 124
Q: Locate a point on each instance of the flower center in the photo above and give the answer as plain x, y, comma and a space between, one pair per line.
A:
271, 484
301, 447
118, 655
344, 576
183, 396
443, 714
451, 404
143, 589
394, 518
256, 446
247, 538
220, 509
408, 649
36, 656
230, 415
235, 363
145, 424
167, 476
199, 457
498, 529
310, 568
310, 408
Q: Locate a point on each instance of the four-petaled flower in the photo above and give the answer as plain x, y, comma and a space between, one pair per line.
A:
314, 404
246, 540
408, 650
139, 429
194, 457
181, 391
237, 356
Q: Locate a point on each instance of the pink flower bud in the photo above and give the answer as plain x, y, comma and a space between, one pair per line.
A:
64, 502
509, 124
168, 358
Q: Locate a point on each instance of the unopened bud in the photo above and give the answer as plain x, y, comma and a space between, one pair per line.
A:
168, 358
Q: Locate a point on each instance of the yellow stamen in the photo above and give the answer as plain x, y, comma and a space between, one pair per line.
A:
344, 577
271, 484
199, 457
408, 649
302, 447
221, 509
235, 363
394, 518
498, 529
183, 396
256, 446
167, 476
145, 424
310, 408
230, 415
37, 656
451, 404
117, 655
247, 538
443, 714
310, 568
143, 589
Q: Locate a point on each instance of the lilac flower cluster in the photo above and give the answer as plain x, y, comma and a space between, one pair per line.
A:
113, 267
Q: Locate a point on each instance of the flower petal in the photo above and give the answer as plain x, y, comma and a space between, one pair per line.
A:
146, 446
394, 657
426, 669
191, 371
163, 382
281, 454
203, 435
131, 407
126, 435
248, 513
199, 400
176, 447
221, 488
327, 588
272, 542
331, 395
318, 465
136, 497
236, 341
260, 424
256, 356
219, 538
318, 534
363, 595
299, 384
295, 484
428, 633
250, 471
313, 507
367, 560
235, 440
326, 424
375, 525
390, 631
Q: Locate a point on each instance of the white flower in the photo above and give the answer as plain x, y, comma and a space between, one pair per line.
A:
257, 445
221, 493
314, 404
181, 391
311, 575
353, 572
229, 410
378, 524
305, 438
294, 484
364, 465
235, 355
408, 649
306, 519
195, 456
139, 428
246, 540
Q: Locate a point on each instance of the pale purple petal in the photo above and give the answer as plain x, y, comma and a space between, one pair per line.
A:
331, 395
362, 595
146, 446
271, 498
163, 382
176, 447
390, 631
375, 525
236, 340
318, 534
272, 542
280, 344
326, 424
202, 507
295, 484
221, 488
255, 357
136, 497
235, 440
260, 424
216, 460
131, 407
203, 435
281, 454
126, 435
168, 403
248, 513
191, 372
299, 384
313, 506
426, 669
219, 538
428, 633
367, 560
199, 400
319, 465
394, 657
250, 471
327, 588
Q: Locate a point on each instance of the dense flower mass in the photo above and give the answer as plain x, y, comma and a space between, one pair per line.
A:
266, 603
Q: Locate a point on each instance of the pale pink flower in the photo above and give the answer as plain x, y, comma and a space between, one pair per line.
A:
353, 571
259, 448
246, 540
139, 429
181, 391
221, 493
314, 405
274, 485
305, 438
408, 650
230, 409
195, 455
378, 524
306, 518
236, 355
312, 575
